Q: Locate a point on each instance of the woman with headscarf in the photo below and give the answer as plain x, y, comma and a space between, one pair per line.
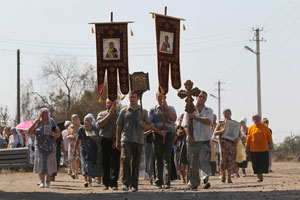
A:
65, 145
258, 141
15, 139
227, 149
46, 131
88, 139
72, 136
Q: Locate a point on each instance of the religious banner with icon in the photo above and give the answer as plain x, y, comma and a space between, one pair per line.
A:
112, 57
139, 82
167, 41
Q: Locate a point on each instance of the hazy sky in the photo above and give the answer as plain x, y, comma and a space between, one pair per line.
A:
212, 48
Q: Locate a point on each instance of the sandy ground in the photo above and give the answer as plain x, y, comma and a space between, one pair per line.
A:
283, 184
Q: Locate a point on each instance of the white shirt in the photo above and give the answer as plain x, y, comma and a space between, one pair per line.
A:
201, 131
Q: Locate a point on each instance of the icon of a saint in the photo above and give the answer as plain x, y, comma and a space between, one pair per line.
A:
166, 45
112, 52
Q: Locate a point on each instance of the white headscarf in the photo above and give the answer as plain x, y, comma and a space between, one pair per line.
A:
244, 120
49, 113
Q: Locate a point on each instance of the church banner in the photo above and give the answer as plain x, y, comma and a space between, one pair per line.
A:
112, 57
167, 41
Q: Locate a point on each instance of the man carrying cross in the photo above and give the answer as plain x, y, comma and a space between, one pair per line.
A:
199, 141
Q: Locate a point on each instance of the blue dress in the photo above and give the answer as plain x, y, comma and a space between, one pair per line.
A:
88, 167
45, 150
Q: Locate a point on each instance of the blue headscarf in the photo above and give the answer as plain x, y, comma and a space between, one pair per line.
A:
92, 118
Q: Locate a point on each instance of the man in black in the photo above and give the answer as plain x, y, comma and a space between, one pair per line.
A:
106, 121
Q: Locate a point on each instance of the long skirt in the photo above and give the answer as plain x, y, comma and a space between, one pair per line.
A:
44, 162
228, 153
88, 167
260, 162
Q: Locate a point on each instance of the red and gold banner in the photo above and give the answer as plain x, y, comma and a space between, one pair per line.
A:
168, 40
112, 57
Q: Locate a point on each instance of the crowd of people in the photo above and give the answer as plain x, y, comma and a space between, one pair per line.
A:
102, 148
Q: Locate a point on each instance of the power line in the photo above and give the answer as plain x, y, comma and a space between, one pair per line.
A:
276, 13
281, 19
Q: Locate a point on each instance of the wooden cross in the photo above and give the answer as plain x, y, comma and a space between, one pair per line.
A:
188, 95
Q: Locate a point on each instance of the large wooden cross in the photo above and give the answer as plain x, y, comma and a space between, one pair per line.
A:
188, 95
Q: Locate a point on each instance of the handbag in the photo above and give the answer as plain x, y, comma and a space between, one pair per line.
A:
92, 152
241, 152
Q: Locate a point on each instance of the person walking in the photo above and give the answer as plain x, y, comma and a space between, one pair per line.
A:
213, 155
149, 156
45, 131
181, 151
258, 143
265, 121
227, 149
163, 151
59, 144
66, 145
72, 136
131, 125
198, 146
106, 121
87, 139
244, 132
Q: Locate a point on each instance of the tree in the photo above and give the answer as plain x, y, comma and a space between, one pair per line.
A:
68, 88
28, 101
64, 75
4, 115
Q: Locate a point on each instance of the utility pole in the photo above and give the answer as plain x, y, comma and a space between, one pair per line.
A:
18, 88
257, 39
218, 98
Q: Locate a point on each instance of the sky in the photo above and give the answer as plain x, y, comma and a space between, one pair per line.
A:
212, 49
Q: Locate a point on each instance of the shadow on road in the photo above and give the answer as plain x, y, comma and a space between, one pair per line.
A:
141, 195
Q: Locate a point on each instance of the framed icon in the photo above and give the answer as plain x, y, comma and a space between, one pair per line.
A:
166, 40
111, 49
232, 129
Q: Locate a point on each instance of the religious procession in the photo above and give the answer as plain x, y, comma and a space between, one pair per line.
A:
189, 142
135, 142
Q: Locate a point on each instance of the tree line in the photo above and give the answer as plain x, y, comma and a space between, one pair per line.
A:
66, 86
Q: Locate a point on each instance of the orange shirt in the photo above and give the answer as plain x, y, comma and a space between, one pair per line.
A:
258, 138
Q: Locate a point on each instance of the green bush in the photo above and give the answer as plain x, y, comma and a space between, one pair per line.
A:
289, 148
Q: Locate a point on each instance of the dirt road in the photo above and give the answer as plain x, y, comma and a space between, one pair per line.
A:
283, 184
